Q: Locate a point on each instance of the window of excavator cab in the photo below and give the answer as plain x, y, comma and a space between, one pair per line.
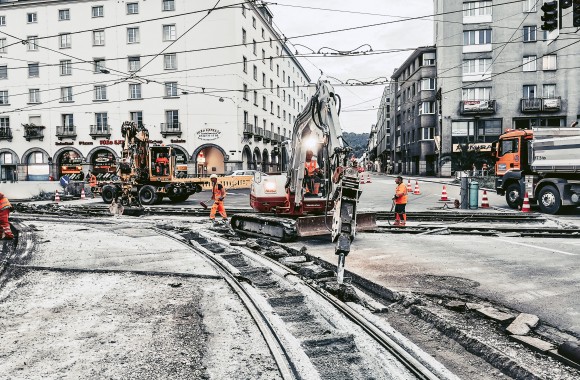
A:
509, 146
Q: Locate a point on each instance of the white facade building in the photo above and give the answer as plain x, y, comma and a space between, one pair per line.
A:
220, 87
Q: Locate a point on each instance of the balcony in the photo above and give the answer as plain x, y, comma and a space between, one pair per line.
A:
171, 129
5, 133
100, 131
258, 133
541, 104
476, 107
267, 136
248, 130
33, 131
551, 104
66, 132
276, 139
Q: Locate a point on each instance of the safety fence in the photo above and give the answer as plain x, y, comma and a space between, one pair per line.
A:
237, 182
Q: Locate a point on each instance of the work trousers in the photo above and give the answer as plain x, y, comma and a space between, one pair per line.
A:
219, 207
4, 225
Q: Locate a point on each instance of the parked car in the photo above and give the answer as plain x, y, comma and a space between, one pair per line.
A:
245, 172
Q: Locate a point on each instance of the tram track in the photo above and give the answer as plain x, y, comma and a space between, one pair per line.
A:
537, 232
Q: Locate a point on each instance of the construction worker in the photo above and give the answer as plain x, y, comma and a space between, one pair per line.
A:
400, 199
218, 194
92, 181
5, 208
311, 169
162, 163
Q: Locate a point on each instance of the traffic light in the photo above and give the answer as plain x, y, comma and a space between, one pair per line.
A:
564, 4
576, 13
550, 17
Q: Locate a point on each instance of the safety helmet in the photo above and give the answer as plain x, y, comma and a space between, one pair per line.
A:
213, 176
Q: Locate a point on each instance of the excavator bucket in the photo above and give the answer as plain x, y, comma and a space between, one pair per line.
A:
322, 225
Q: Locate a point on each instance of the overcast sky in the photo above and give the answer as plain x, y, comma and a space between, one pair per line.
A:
359, 103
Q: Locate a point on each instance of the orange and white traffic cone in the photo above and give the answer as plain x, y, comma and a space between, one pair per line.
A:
444, 194
83, 197
409, 188
417, 191
526, 205
368, 178
484, 200
362, 179
56, 196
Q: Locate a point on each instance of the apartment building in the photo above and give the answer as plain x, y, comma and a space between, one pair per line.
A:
497, 70
221, 87
382, 153
413, 114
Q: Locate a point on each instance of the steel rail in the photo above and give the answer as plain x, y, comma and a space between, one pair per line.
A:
412, 364
280, 355
540, 232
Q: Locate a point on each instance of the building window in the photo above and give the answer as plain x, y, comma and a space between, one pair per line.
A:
4, 98
68, 121
169, 33
171, 89
134, 63
66, 94
172, 119
427, 84
271, 64
100, 92
66, 67
255, 97
2, 45
244, 36
549, 91
98, 38
255, 73
245, 64
136, 117
278, 90
477, 37
271, 85
98, 64
65, 40
476, 8
31, 17
549, 62
4, 72
168, 5
135, 91
132, 35
32, 42
264, 103
263, 56
245, 91
530, 5
101, 121
33, 70
98, 11
170, 61
263, 34
476, 93
132, 8
254, 48
427, 108
63, 14
272, 108
476, 66
529, 63
278, 70
263, 80
278, 111
530, 33
34, 95
428, 59
254, 22
2, 20
529, 91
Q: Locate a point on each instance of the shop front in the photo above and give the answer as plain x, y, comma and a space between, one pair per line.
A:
69, 163
104, 165
180, 162
209, 159
37, 165
8, 162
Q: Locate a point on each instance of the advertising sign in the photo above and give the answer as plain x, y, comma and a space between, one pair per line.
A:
208, 134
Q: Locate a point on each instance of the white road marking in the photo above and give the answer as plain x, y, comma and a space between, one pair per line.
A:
536, 247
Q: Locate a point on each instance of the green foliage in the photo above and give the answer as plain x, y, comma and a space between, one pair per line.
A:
357, 141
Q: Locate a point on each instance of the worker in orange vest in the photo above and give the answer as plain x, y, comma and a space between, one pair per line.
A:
400, 199
218, 194
5, 208
310, 170
163, 162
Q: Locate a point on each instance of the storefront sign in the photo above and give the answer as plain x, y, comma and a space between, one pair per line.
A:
475, 105
85, 143
111, 142
481, 147
178, 141
208, 134
63, 143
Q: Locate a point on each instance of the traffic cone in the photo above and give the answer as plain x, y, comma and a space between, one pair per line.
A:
83, 194
444, 194
56, 196
368, 178
409, 188
484, 200
526, 205
362, 179
417, 191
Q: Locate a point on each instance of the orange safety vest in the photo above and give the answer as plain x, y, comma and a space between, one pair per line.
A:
311, 167
93, 180
218, 191
162, 160
4, 204
401, 191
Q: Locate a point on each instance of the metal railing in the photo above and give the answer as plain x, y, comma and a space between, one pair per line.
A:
478, 106
170, 129
248, 129
32, 131
64, 131
100, 131
5, 133
267, 136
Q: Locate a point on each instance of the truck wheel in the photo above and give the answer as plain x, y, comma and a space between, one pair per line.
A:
147, 195
512, 196
198, 189
159, 199
108, 194
549, 200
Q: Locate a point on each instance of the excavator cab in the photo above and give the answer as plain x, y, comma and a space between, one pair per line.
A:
160, 162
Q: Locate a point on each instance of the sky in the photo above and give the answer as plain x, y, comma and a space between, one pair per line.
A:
360, 103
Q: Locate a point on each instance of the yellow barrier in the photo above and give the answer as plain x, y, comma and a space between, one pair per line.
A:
237, 182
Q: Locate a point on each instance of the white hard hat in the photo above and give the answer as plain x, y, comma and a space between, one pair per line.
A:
213, 176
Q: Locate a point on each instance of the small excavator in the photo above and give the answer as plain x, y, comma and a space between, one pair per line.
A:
294, 203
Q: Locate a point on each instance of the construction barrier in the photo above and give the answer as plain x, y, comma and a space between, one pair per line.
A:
362, 179
417, 191
526, 205
484, 200
409, 187
230, 182
56, 196
444, 194
83, 197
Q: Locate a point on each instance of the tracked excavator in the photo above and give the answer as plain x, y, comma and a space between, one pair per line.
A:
304, 202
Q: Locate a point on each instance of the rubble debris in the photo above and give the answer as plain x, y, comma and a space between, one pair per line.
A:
523, 324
